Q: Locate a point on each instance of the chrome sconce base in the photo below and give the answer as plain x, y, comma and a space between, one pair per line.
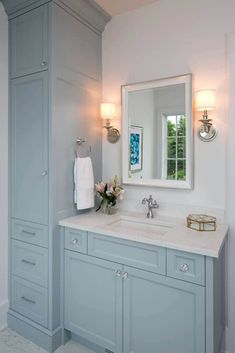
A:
113, 134
107, 112
207, 132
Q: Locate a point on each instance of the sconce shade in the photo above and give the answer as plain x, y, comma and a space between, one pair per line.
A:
205, 99
107, 111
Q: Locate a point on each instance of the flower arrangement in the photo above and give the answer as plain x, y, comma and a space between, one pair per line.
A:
109, 193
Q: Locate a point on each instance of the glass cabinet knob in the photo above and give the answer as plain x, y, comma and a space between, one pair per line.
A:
118, 273
184, 268
75, 241
125, 275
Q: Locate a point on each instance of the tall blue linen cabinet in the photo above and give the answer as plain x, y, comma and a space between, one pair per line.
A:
55, 86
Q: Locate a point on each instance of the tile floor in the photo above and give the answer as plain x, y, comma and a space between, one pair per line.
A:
11, 342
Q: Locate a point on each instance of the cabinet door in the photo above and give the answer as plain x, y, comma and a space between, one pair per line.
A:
29, 42
93, 300
29, 148
162, 315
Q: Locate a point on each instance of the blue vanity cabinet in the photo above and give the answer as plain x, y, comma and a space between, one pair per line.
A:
93, 300
29, 148
125, 296
29, 42
162, 314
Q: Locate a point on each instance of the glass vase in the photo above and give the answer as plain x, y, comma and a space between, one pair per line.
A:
108, 208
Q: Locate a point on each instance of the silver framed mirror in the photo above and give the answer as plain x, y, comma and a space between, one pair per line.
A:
157, 133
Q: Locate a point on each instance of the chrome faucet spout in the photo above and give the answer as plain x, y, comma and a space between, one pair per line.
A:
151, 205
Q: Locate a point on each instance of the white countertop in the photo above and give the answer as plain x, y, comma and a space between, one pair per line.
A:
175, 236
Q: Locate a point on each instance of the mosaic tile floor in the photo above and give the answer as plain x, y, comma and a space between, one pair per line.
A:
11, 342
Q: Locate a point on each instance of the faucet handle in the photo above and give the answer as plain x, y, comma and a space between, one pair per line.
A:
144, 201
155, 204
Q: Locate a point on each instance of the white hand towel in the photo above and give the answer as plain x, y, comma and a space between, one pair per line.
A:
84, 183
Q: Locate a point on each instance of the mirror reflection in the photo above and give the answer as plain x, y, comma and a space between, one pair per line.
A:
158, 123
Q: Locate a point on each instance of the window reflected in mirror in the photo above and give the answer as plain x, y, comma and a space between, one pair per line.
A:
175, 147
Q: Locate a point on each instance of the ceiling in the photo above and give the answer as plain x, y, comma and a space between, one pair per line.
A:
116, 7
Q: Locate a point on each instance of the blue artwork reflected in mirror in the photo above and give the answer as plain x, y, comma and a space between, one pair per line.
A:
136, 148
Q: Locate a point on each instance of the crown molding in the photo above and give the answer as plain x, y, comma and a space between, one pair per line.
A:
87, 10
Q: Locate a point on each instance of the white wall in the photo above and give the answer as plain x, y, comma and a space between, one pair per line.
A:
141, 113
164, 39
230, 210
3, 165
169, 38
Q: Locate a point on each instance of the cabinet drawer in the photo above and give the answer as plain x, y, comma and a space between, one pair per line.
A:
30, 233
76, 240
30, 262
149, 258
29, 300
186, 266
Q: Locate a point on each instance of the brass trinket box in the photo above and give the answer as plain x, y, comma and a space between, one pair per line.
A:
201, 222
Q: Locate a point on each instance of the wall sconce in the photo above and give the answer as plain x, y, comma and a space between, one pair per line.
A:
205, 101
108, 112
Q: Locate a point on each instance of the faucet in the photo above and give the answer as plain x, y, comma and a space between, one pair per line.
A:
151, 204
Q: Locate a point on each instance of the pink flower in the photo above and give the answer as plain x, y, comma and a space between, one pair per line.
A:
100, 187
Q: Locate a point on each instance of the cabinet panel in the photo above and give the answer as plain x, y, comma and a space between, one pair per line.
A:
186, 266
146, 257
81, 51
29, 42
30, 262
76, 240
29, 136
93, 300
162, 315
29, 300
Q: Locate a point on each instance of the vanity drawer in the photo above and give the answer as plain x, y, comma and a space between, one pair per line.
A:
76, 240
29, 300
30, 262
186, 266
30, 233
146, 257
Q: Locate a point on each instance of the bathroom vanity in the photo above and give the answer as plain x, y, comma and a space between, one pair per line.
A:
134, 285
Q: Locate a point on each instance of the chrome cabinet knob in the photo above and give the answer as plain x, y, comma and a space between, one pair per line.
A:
124, 275
44, 63
44, 173
75, 241
118, 273
184, 268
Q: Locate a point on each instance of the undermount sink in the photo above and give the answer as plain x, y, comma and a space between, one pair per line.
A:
148, 226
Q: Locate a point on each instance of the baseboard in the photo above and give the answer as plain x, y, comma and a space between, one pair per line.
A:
48, 340
3, 314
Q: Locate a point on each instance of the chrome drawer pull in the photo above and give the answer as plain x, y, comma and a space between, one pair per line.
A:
28, 233
124, 275
28, 262
75, 241
118, 273
28, 300
184, 268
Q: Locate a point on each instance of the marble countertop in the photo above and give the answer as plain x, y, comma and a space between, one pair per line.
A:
161, 231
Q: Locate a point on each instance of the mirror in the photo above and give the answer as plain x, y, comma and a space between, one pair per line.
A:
157, 133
